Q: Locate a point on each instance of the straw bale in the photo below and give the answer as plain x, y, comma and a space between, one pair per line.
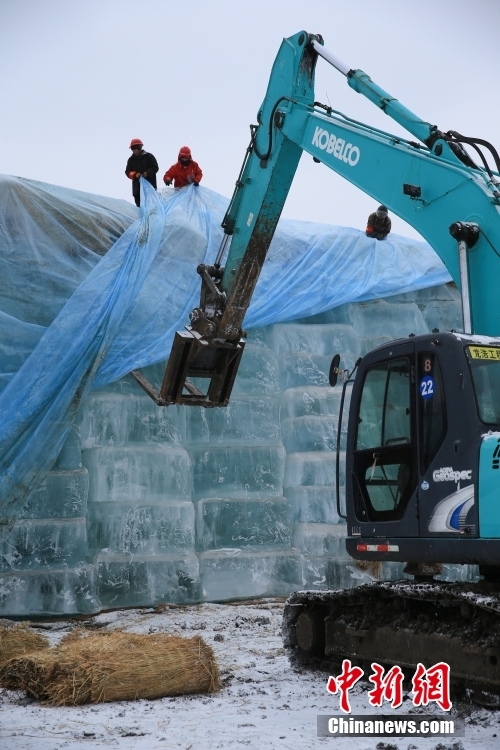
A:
79, 632
18, 640
114, 666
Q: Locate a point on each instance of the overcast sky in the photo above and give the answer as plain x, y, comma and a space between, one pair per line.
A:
80, 78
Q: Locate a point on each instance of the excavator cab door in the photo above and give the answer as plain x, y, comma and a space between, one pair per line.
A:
383, 448
413, 446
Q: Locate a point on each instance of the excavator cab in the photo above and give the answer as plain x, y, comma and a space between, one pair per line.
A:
422, 474
421, 465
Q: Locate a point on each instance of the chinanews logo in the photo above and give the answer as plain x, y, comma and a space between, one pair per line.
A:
449, 475
329, 142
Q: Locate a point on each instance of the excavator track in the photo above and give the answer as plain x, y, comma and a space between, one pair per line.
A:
403, 623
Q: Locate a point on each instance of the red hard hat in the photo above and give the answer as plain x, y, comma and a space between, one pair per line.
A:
135, 142
185, 151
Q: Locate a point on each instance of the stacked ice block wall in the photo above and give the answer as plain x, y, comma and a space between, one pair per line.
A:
140, 514
183, 504
44, 561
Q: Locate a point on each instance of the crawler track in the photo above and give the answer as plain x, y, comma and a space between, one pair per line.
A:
401, 623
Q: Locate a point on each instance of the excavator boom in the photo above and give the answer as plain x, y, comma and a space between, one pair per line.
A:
432, 184
423, 439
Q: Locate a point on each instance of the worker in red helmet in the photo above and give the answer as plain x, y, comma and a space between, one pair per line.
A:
184, 172
140, 164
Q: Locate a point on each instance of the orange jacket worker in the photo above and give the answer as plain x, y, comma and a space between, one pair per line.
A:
184, 172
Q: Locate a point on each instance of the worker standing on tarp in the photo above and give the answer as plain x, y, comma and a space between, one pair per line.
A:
184, 172
379, 224
140, 164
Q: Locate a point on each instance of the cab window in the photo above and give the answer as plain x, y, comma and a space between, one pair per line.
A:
485, 367
384, 459
384, 411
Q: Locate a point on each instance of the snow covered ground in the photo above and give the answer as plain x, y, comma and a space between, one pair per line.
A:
263, 703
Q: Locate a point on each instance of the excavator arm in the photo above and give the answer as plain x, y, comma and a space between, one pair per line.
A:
432, 184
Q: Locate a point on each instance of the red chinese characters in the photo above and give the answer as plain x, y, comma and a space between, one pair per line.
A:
432, 684
344, 682
388, 688
429, 685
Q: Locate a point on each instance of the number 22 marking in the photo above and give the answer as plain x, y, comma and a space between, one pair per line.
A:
427, 387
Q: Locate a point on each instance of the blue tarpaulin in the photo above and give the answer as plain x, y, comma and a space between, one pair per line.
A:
91, 288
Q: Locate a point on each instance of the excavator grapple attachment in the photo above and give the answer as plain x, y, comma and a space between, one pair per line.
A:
211, 362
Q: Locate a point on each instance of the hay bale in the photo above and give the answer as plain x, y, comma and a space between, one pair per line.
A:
114, 666
18, 640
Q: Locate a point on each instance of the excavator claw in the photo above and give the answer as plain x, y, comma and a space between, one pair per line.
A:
193, 356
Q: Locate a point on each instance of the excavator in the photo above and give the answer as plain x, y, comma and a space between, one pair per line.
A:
422, 465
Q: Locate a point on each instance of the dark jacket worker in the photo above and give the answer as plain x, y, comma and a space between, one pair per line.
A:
140, 164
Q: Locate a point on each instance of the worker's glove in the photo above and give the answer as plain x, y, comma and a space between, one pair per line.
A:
167, 182
196, 183
190, 178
